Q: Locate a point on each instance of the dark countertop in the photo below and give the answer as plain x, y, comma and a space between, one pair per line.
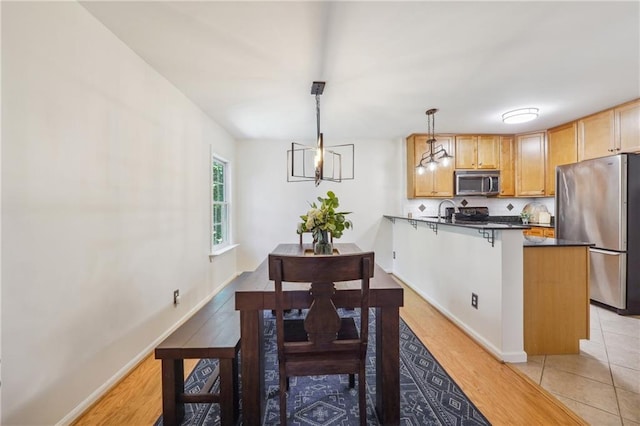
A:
529, 241
516, 219
533, 241
473, 225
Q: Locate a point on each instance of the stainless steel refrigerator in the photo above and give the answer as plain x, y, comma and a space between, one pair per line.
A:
598, 201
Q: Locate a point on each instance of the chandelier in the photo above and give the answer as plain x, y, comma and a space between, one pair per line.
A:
321, 162
434, 152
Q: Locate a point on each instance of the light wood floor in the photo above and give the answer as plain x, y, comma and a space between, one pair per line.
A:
503, 394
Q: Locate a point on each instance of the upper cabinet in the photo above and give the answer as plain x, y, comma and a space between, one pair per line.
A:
595, 135
627, 126
530, 165
507, 167
562, 148
527, 162
477, 152
431, 183
610, 132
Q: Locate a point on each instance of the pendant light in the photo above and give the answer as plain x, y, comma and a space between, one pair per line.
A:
321, 162
435, 153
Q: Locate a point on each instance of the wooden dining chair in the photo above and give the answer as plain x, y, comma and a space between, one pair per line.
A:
322, 343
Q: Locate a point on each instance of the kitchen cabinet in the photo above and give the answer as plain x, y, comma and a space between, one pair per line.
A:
507, 167
477, 152
610, 132
540, 231
432, 183
596, 135
562, 148
530, 165
626, 132
556, 299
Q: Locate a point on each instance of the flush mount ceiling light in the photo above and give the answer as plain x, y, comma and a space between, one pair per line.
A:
521, 115
321, 162
434, 152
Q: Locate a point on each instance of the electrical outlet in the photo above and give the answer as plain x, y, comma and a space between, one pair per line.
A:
176, 297
394, 254
474, 300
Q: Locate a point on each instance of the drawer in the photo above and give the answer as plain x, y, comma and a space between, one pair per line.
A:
534, 232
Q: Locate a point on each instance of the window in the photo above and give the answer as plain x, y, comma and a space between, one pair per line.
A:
219, 203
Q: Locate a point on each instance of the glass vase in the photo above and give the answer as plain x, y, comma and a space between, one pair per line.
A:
322, 245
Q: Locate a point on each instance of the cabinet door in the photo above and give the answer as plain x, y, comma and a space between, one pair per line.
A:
627, 127
443, 175
596, 135
488, 152
507, 160
562, 148
466, 154
530, 165
417, 184
549, 232
431, 183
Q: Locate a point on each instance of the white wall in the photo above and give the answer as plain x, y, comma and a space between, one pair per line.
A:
269, 208
448, 266
105, 209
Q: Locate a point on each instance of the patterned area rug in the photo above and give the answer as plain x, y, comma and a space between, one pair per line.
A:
428, 396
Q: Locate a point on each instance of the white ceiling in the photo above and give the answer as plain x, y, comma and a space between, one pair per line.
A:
250, 65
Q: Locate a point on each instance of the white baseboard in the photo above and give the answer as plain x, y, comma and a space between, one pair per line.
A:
131, 365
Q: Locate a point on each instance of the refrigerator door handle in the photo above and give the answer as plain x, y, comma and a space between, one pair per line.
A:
610, 253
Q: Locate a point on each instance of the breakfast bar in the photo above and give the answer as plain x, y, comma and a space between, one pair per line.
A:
490, 281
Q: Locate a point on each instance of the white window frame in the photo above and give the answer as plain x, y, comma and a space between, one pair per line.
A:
225, 244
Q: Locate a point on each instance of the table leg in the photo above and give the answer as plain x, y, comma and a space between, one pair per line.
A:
388, 365
228, 392
172, 389
252, 367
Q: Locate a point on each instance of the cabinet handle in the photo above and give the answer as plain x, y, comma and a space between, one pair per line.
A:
479, 164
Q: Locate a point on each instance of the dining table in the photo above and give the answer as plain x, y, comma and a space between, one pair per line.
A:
256, 293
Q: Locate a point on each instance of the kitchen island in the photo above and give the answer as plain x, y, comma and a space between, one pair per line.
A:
474, 273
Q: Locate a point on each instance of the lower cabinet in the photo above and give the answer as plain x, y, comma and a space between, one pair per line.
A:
556, 299
540, 231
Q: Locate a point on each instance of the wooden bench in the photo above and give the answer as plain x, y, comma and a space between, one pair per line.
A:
212, 332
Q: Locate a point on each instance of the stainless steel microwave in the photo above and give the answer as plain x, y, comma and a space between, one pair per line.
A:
477, 182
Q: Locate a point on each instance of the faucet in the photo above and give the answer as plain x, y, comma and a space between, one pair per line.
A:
440, 205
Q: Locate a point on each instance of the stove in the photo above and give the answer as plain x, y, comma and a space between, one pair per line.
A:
473, 215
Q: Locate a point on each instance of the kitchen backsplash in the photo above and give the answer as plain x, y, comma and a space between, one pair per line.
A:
497, 206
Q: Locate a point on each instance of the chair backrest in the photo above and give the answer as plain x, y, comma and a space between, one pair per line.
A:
322, 272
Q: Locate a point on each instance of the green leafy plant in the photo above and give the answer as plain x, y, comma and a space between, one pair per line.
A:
324, 217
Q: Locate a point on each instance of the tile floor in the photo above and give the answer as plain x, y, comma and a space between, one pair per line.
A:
602, 383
